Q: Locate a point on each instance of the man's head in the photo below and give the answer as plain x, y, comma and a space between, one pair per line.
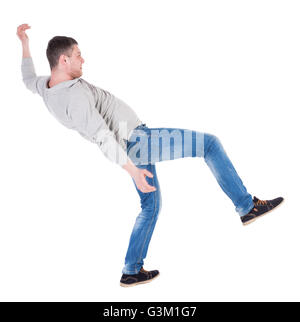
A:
64, 55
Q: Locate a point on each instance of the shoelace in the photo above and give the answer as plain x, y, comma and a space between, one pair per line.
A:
261, 202
149, 274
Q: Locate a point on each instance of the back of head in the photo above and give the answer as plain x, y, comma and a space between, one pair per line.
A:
57, 46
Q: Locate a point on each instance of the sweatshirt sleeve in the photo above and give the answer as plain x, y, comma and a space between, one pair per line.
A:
32, 82
90, 124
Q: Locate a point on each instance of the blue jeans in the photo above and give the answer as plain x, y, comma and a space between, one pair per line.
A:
145, 147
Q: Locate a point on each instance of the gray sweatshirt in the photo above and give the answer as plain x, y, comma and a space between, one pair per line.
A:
96, 114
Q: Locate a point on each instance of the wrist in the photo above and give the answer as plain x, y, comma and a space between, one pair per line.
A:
130, 168
25, 43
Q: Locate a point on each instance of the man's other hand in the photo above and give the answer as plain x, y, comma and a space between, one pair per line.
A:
139, 178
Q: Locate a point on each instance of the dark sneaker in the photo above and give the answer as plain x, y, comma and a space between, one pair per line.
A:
261, 207
141, 278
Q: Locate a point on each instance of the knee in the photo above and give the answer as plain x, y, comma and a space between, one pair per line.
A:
211, 142
152, 206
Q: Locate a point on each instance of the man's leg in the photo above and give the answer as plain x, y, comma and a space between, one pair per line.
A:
147, 146
144, 224
150, 145
160, 144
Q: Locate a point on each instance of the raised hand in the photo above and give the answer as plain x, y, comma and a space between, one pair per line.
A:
21, 32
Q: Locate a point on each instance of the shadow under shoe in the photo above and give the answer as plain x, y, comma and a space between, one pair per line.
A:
261, 207
142, 277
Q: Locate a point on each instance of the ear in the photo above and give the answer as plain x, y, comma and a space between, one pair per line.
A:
63, 60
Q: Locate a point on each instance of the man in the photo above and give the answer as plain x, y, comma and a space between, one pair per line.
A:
103, 119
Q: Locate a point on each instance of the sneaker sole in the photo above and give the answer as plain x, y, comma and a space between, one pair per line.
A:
250, 221
137, 283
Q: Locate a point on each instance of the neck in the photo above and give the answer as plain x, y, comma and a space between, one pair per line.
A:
58, 77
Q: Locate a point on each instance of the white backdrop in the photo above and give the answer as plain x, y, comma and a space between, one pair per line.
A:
230, 68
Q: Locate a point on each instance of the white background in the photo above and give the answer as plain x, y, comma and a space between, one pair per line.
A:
230, 68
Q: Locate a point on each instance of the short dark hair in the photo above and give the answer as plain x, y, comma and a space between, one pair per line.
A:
57, 46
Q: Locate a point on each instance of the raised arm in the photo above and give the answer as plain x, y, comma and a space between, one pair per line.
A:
34, 83
21, 33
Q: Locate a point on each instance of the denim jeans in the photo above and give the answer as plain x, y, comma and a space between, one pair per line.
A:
147, 146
